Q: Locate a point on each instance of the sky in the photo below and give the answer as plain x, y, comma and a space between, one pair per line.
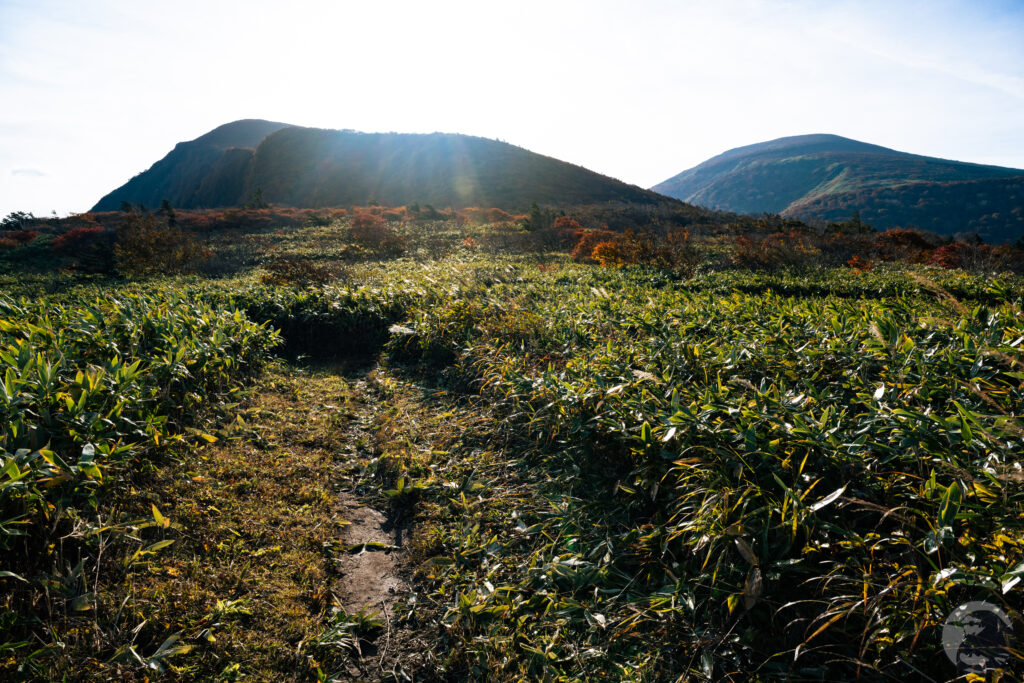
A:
93, 92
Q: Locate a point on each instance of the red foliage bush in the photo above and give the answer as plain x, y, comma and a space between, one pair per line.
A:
978, 257
952, 255
78, 238
902, 245
370, 231
365, 221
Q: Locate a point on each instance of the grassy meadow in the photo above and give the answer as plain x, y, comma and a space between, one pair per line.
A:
598, 472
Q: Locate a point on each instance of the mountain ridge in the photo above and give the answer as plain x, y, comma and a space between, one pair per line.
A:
315, 167
825, 178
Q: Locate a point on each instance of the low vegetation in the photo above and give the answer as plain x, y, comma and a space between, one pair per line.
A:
616, 455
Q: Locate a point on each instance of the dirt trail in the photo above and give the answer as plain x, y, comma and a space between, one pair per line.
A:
370, 574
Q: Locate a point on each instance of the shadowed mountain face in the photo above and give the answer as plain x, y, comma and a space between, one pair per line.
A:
827, 178
310, 167
197, 173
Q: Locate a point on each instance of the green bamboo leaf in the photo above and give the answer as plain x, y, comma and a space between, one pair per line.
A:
160, 520
950, 505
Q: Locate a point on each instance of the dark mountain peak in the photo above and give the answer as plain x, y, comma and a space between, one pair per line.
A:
314, 167
825, 178
242, 133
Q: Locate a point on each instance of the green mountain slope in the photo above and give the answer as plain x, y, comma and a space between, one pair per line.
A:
311, 167
827, 178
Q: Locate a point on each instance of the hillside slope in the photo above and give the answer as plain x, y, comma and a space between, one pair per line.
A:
309, 167
827, 178
199, 172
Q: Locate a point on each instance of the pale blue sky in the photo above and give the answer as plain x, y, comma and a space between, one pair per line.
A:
93, 92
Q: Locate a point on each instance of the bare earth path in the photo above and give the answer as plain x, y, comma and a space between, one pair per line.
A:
278, 552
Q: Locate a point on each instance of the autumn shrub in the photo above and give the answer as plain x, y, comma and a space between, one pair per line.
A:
899, 244
977, 257
322, 217
19, 237
88, 247
566, 223
584, 249
675, 251
7, 243
563, 233
475, 215
372, 232
256, 219
681, 252
364, 221
78, 238
147, 246
395, 214
608, 253
950, 255
859, 264
641, 248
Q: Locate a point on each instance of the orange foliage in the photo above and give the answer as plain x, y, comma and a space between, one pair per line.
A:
584, 249
479, 215
566, 223
608, 254
675, 251
859, 264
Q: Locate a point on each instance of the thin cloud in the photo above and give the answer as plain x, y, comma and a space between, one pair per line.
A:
970, 73
28, 172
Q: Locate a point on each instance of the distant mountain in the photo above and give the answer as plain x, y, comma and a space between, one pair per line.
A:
311, 167
827, 177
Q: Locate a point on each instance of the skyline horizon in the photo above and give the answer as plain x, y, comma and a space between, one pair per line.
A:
104, 89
